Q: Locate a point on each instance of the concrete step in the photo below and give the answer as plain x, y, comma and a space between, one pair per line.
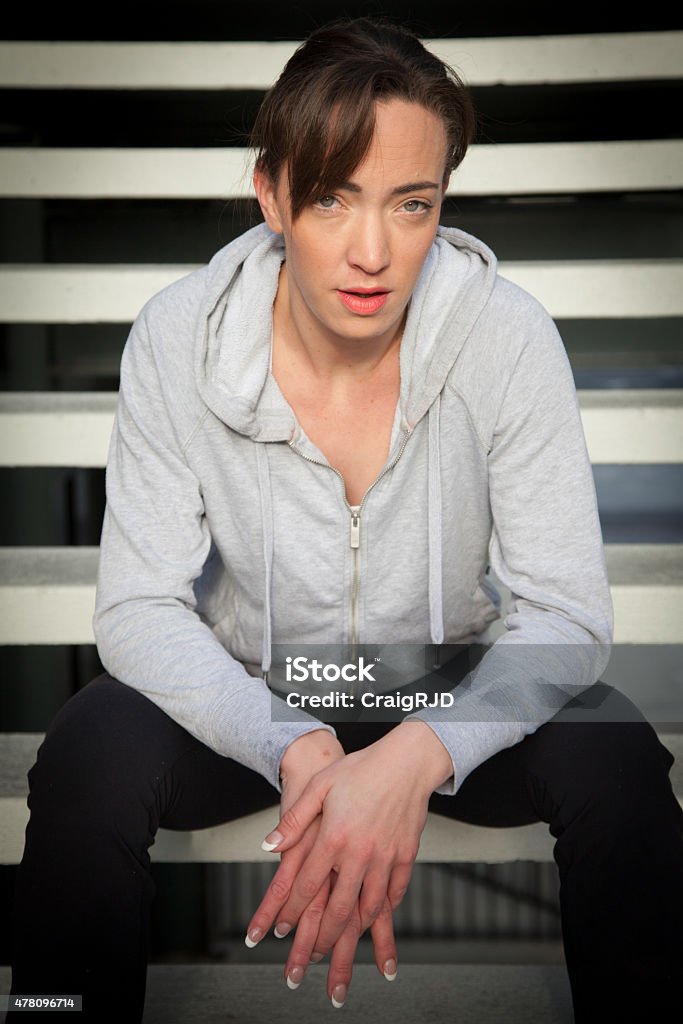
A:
421, 994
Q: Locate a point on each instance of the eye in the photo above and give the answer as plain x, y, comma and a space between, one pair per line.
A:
416, 206
327, 202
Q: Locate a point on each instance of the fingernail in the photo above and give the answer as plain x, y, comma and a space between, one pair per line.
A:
295, 977
272, 840
281, 930
253, 937
390, 970
338, 996
316, 958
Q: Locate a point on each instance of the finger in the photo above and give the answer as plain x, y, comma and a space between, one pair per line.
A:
384, 942
279, 889
398, 883
341, 907
310, 878
341, 962
296, 819
373, 895
305, 937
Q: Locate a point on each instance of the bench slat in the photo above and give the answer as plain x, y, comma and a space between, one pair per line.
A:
74, 428
442, 840
509, 169
114, 293
47, 595
520, 60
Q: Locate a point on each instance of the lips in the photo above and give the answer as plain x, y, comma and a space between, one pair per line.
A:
364, 301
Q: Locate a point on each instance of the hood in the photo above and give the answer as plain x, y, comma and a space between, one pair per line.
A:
233, 353
233, 360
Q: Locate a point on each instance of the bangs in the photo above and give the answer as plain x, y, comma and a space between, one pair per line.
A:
330, 148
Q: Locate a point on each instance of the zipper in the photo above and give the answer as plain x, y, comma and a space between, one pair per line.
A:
354, 536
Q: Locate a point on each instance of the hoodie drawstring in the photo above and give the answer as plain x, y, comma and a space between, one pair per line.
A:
263, 471
434, 527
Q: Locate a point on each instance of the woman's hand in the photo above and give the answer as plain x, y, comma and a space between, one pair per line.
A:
373, 807
302, 760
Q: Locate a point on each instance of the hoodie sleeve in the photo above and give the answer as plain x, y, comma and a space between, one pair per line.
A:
155, 542
546, 547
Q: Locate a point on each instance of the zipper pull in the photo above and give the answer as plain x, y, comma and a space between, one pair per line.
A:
355, 529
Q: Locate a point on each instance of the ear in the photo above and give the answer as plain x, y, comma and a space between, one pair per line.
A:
267, 197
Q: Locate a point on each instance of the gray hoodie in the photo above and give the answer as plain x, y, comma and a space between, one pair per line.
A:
226, 531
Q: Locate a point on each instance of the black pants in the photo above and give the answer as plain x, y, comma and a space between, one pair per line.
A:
113, 768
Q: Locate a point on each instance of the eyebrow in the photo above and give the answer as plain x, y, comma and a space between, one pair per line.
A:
400, 190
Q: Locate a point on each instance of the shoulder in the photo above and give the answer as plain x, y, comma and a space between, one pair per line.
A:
513, 325
192, 298
514, 347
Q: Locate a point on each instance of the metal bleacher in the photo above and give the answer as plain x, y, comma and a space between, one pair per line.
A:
47, 592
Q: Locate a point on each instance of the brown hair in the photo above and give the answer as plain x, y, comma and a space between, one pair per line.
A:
319, 117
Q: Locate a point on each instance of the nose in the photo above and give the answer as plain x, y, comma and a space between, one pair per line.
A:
368, 248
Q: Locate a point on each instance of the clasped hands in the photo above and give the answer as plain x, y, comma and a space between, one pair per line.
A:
348, 836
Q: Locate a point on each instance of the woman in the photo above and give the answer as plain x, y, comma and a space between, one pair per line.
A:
324, 437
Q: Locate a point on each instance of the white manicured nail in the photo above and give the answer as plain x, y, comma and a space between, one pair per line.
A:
272, 840
390, 970
253, 937
295, 977
338, 996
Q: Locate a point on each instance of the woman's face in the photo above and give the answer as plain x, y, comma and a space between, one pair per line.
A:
354, 255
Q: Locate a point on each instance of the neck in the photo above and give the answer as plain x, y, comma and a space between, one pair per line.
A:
298, 337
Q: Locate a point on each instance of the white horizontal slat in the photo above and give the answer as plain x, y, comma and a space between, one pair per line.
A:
647, 588
73, 428
442, 840
113, 293
509, 169
81, 293
55, 428
602, 288
646, 581
240, 840
517, 60
47, 595
218, 173
569, 167
633, 427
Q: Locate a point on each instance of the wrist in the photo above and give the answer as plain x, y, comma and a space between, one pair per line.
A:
420, 746
310, 753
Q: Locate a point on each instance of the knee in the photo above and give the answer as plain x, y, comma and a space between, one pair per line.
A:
86, 751
621, 766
